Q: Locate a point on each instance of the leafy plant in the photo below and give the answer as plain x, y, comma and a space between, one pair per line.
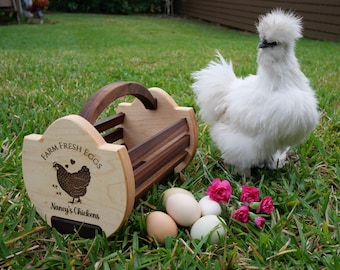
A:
109, 7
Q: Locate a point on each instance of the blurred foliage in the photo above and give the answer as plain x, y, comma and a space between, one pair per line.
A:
108, 6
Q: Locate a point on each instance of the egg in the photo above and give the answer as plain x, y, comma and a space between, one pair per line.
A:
210, 224
159, 225
183, 208
209, 206
174, 190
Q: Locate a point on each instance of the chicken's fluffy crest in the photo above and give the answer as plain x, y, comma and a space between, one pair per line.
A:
280, 26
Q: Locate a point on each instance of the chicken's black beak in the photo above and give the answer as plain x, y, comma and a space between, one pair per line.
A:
265, 44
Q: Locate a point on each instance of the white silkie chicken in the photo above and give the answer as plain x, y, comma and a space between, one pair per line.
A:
254, 121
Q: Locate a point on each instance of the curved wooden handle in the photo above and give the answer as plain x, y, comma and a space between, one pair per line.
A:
109, 93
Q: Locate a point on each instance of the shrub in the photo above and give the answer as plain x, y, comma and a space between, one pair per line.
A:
107, 6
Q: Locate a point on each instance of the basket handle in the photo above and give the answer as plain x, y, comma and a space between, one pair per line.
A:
109, 93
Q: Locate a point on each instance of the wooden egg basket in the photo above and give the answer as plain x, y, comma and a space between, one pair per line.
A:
84, 175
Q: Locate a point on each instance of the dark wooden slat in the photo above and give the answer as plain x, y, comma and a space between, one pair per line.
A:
113, 135
158, 162
140, 152
110, 122
321, 35
321, 27
159, 165
321, 7
230, 21
321, 19
159, 175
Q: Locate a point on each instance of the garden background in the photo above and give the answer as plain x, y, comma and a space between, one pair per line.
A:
48, 71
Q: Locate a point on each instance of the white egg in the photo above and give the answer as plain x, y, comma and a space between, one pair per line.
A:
208, 225
183, 208
166, 194
209, 206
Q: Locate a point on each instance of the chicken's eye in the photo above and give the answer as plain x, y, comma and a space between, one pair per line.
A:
266, 44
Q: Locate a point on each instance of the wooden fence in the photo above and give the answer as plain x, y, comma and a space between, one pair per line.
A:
321, 17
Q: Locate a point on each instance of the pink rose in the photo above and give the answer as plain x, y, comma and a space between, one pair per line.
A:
219, 191
250, 194
242, 214
260, 222
266, 205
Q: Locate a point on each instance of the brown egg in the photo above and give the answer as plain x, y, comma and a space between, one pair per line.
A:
159, 225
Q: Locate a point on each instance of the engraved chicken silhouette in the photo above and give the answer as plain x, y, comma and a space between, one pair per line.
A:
74, 184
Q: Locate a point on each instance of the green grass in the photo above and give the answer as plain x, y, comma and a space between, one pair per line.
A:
49, 71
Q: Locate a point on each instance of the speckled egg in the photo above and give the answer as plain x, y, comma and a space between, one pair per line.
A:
159, 225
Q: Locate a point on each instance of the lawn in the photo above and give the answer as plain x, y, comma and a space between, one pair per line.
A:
49, 71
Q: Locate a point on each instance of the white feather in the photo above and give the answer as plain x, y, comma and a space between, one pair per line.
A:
257, 119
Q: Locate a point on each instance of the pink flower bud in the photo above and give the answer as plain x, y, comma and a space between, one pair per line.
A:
242, 214
260, 222
266, 205
250, 194
219, 191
